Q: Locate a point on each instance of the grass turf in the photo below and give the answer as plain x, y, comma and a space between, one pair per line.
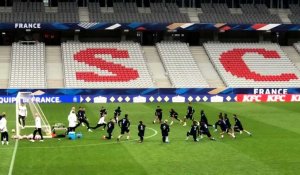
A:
273, 149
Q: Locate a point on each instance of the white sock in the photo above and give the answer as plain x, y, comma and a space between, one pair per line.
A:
2, 142
187, 138
7, 143
167, 139
127, 137
248, 132
171, 123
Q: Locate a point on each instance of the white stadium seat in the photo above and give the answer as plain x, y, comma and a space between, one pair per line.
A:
28, 66
128, 61
180, 65
266, 65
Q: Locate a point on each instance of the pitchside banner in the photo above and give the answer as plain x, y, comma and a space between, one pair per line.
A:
135, 26
175, 95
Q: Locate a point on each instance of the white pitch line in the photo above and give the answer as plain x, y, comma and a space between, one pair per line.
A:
11, 167
95, 144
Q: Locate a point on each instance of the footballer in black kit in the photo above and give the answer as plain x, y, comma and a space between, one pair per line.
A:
158, 115
189, 114
174, 115
103, 112
124, 124
203, 118
228, 125
165, 129
110, 129
205, 131
117, 114
194, 131
141, 129
238, 127
222, 124
82, 118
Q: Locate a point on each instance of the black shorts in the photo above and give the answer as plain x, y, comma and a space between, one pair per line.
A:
189, 116
159, 117
22, 117
141, 134
206, 133
123, 130
237, 127
174, 116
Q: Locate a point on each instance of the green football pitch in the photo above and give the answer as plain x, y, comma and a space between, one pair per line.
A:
273, 149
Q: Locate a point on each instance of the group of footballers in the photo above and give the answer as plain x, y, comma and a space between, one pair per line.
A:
198, 128
75, 119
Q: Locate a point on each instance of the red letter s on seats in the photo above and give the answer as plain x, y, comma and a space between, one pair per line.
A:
122, 73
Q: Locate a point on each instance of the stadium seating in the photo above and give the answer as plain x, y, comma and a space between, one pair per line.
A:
128, 12
295, 16
121, 65
251, 14
180, 65
28, 66
253, 65
35, 12
297, 46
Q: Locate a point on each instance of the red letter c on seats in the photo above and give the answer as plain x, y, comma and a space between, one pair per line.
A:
233, 62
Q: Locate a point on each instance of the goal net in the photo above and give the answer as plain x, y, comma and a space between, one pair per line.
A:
28, 100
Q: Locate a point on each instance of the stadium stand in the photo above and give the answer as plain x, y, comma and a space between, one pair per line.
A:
121, 62
258, 13
28, 66
128, 12
267, 65
297, 46
35, 12
295, 16
180, 65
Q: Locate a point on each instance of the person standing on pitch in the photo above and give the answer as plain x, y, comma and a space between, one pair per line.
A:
101, 122
117, 114
203, 118
72, 118
205, 131
141, 129
22, 115
174, 115
165, 129
110, 129
238, 127
82, 118
3, 129
194, 131
189, 114
38, 128
124, 124
158, 115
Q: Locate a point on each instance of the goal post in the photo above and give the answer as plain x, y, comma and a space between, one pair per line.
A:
28, 99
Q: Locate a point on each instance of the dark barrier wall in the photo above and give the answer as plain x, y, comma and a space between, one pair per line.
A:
150, 26
155, 95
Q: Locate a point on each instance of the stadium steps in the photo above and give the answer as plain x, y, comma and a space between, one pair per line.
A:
192, 14
54, 67
156, 67
5, 64
83, 14
292, 53
283, 15
206, 68
51, 9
